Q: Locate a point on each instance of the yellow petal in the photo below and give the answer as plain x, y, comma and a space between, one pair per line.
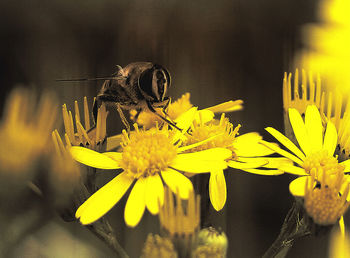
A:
291, 169
104, 199
264, 172
202, 161
228, 106
184, 122
299, 130
346, 163
92, 158
286, 142
177, 182
282, 152
135, 205
330, 138
297, 186
204, 116
246, 165
248, 145
273, 162
117, 156
154, 194
313, 124
217, 189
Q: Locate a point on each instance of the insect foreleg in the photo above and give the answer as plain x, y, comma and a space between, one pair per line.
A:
151, 108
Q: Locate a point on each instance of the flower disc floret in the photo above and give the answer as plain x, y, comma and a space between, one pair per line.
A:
322, 161
147, 152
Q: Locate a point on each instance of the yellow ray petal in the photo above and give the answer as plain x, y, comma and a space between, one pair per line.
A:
117, 156
227, 106
104, 199
297, 186
248, 145
186, 163
330, 138
92, 158
313, 124
135, 205
286, 142
282, 152
154, 193
184, 122
204, 116
264, 172
217, 189
246, 165
346, 163
299, 130
177, 182
291, 169
202, 161
273, 162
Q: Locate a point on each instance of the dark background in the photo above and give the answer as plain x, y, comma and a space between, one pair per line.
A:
216, 50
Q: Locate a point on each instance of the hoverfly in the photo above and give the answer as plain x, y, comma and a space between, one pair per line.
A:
140, 86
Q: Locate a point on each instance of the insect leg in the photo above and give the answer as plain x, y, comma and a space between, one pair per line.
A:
121, 114
151, 108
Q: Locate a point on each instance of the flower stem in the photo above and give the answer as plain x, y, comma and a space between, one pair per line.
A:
103, 230
295, 226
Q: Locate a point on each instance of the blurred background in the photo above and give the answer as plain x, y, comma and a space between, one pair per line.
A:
216, 50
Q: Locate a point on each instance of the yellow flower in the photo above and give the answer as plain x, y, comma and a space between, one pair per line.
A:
149, 158
247, 152
25, 132
309, 92
180, 220
322, 182
91, 137
328, 43
180, 106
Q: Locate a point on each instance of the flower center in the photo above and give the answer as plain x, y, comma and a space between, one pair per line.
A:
322, 161
324, 203
147, 152
323, 200
202, 131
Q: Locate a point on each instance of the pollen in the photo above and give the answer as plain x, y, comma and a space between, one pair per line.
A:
324, 199
224, 130
148, 152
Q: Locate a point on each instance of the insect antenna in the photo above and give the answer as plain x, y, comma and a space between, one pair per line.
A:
84, 79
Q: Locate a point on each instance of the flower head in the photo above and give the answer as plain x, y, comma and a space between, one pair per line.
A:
322, 182
247, 153
149, 157
25, 132
180, 219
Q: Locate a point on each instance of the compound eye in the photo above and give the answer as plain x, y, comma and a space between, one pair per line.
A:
160, 83
154, 82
